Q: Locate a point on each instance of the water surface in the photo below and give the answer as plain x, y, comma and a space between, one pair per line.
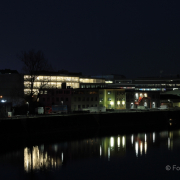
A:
154, 155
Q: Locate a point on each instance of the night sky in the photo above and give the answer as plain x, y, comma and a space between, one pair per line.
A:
129, 37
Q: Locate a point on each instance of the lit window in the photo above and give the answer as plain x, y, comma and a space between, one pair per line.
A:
109, 99
109, 92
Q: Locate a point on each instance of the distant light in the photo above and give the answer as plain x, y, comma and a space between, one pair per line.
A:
111, 102
112, 142
3, 100
123, 141
118, 141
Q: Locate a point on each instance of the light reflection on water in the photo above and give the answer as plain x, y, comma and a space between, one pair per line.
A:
131, 149
52, 156
39, 159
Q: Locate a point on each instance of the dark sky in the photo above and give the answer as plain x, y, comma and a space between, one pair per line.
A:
129, 37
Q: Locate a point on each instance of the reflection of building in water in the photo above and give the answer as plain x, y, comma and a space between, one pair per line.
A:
52, 156
39, 159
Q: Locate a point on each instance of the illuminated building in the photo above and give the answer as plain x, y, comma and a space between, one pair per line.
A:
55, 81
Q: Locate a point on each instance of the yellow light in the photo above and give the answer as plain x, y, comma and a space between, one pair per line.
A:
118, 102
123, 102
111, 102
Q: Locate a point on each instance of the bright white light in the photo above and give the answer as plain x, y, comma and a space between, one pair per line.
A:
118, 102
145, 147
118, 141
132, 139
123, 141
100, 151
3, 100
123, 102
145, 138
136, 148
112, 142
153, 137
62, 157
111, 102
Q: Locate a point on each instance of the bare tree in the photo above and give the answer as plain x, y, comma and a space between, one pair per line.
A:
34, 65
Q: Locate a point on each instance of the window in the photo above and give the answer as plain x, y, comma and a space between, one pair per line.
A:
83, 98
109, 105
87, 86
95, 105
41, 92
109, 99
44, 99
87, 105
74, 98
57, 99
100, 99
45, 92
48, 99
100, 92
91, 98
79, 99
87, 99
91, 105
62, 99
83, 106
95, 98
92, 86
109, 92
79, 106
66, 99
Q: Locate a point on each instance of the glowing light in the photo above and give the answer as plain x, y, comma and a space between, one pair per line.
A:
145, 138
153, 137
111, 102
141, 148
145, 147
118, 102
123, 141
118, 142
100, 151
62, 157
123, 102
136, 148
112, 142
132, 139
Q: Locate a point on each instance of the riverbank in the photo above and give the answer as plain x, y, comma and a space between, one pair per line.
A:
30, 131
84, 124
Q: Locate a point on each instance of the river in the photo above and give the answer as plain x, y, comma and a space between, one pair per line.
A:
147, 155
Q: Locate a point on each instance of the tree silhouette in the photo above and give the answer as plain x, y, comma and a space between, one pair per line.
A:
34, 63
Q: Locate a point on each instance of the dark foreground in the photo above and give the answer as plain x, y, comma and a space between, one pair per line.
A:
41, 129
